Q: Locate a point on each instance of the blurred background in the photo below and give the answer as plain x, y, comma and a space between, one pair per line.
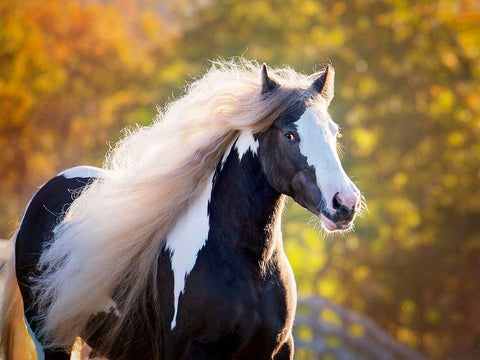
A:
74, 73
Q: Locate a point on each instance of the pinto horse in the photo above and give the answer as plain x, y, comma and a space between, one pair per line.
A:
174, 250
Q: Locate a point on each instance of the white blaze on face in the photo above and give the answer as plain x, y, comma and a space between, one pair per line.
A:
318, 143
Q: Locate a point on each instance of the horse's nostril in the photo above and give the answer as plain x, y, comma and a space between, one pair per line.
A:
336, 202
343, 213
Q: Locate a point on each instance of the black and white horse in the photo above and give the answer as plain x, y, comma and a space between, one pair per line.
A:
211, 281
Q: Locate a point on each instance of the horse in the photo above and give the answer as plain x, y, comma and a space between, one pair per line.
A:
173, 250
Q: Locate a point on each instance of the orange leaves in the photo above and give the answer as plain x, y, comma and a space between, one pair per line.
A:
71, 74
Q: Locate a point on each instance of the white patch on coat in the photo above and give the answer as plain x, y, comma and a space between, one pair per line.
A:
38, 346
186, 240
227, 154
318, 142
246, 142
82, 172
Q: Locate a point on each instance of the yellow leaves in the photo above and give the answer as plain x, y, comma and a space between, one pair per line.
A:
305, 249
407, 336
450, 181
149, 24
336, 37
173, 72
407, 218
406, 209
408, 309
432, 315
443, 100
41, 168
46, 141
352, 242
331, 317
12, 36
48, 82
333, 342
328, 288
435, 344
318, 34
364, 141
15, 102
361, 66
82, 130
114, 102
309, 7
338, 8
456, 139
259, 11
468, 39
361, 273
400, 179
304, 333
450, 59
263, 9
473, 101
367, 86
356, 330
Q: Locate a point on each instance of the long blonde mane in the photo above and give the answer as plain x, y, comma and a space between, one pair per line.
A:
111, 236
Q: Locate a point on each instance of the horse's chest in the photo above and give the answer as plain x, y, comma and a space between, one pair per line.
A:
227, 299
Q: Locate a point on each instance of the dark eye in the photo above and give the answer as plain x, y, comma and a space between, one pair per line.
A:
290, 137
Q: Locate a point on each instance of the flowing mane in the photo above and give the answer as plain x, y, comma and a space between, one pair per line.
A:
116, 228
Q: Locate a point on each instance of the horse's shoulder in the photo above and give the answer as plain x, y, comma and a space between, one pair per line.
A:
50, 201
65, 186
62, 188
46, 209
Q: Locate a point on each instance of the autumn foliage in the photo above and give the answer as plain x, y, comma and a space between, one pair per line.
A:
73, 73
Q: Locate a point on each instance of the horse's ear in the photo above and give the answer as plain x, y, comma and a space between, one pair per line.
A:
324, 85
267, 83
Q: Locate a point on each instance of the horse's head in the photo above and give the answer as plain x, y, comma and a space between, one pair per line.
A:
299, 156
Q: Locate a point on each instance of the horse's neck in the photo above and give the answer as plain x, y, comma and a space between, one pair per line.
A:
244, 205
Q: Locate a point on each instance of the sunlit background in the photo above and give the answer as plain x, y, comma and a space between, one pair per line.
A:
74, 73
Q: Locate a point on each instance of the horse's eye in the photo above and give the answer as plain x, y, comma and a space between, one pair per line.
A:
290, 137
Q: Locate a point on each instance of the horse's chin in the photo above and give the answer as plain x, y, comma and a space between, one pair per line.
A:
330, 226
327, 224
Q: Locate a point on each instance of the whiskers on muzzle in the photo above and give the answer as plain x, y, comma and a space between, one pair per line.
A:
341, 217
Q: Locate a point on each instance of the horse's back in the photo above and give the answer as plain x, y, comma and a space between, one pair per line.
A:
44, 211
